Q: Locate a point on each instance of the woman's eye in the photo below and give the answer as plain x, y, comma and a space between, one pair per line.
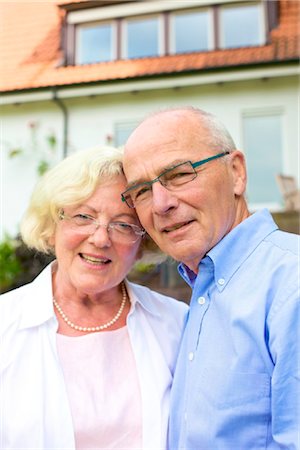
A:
122, 226
81, 219
83, 216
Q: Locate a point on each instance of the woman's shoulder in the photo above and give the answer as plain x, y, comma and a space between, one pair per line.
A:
19, 300
10, 298
11, 305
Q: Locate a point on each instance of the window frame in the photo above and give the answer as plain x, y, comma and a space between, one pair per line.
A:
265, 112
119, 127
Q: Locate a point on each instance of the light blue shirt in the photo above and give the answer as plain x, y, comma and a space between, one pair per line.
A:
236, 383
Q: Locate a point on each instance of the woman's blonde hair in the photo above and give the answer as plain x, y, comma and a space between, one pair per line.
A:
70, 182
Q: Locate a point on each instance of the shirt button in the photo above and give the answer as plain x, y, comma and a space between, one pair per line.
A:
221, 281
201, 300
191, 356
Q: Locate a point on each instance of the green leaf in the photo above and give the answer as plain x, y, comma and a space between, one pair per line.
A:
13, 152
43, 166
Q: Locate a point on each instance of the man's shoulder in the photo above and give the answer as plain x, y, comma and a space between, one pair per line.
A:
285, 242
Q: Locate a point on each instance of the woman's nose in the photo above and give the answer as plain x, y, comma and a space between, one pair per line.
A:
100, 237
162, 199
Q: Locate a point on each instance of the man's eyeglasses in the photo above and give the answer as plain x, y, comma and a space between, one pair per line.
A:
121, 232
172, 179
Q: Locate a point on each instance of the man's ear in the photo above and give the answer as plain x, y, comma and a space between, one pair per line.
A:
239, 172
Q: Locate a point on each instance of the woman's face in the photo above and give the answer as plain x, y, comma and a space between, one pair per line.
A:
93, 263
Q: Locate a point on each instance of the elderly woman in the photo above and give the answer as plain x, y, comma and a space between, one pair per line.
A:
86, 357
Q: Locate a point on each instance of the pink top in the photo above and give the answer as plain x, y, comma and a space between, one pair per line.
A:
103, 390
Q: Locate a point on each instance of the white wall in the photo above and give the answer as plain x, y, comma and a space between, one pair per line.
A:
92, 119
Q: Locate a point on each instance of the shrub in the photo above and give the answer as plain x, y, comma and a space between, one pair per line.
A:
19, 265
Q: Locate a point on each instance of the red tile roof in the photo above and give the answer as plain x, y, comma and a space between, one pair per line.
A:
30, 50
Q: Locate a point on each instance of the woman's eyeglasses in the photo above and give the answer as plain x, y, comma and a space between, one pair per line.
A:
118, 231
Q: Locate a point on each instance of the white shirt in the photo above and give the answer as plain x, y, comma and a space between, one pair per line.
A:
34, 407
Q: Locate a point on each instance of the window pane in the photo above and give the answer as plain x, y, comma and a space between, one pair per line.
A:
241, 26
263, 145
142, 38
190, 32
94, 44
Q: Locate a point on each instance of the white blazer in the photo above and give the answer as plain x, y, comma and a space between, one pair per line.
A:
34, 407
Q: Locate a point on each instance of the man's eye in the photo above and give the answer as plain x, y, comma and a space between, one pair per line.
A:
141, 192
181, 174
177, 177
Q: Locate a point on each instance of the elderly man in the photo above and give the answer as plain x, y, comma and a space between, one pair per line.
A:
236, 385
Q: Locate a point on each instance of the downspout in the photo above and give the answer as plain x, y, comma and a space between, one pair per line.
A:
65, 112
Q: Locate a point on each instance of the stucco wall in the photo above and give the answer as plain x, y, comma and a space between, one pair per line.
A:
92, 120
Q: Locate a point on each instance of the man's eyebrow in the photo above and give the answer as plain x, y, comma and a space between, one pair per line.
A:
135, 183
174, 163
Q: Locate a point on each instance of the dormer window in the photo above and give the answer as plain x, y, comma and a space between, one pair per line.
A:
130, 30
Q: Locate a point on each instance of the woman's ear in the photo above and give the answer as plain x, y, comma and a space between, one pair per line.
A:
239, 172
51, 241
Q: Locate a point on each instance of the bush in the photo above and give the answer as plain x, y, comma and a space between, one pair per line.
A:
19, 265
9, 263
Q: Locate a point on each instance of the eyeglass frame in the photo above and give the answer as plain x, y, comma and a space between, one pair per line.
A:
151, 182
139, 232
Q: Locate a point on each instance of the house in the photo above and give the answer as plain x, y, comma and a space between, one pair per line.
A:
75, 74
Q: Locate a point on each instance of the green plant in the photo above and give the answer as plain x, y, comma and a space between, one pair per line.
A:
9, 263
19, 265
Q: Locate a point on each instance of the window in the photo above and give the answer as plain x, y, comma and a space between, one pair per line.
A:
141, 37
263, 146
190, 31
94, 43
241, 26
148, 28
122, 132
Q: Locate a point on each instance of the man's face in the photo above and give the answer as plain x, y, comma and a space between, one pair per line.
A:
187, 223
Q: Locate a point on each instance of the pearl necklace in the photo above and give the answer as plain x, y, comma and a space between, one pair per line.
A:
99, 327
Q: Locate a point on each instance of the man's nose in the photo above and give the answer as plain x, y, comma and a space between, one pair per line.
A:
162, 199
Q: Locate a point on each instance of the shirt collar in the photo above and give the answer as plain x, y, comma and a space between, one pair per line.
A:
37, 305
144, 298
37, 302
230, 253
